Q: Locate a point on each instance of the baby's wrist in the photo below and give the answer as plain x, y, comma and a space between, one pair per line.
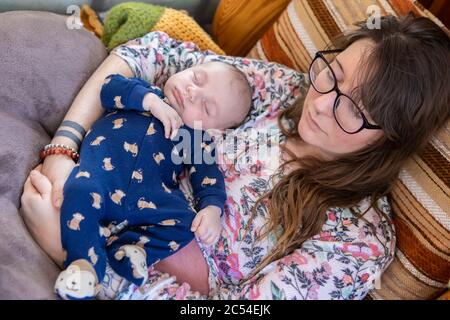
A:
150, 99
215, 209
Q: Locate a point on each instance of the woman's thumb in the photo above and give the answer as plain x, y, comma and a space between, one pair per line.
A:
40, 183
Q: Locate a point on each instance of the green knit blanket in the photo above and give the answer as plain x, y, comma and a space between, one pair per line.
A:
129, 20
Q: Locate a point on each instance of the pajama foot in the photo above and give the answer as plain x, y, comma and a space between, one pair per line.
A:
132, 265
78, 282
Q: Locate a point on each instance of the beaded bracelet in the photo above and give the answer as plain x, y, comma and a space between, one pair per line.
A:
52, 145
56, 148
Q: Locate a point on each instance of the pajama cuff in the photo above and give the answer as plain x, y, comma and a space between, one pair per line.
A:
212, 201
138, 93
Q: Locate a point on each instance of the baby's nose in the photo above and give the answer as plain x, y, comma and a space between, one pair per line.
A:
191, 93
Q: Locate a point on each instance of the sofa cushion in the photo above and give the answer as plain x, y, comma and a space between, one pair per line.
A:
43, 66
421, 196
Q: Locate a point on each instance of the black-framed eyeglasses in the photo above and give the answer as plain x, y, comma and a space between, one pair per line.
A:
347, 113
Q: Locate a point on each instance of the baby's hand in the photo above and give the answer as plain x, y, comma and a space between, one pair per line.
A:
165, 113
207, 225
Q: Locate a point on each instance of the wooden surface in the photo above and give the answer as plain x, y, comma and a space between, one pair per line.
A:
440, 8
239, 24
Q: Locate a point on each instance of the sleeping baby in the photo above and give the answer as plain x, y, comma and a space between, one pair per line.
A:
122, 202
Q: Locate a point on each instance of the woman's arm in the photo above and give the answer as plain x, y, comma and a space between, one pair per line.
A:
85, 110
154, 58
86, 107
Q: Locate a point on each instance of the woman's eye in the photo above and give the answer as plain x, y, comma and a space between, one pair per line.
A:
356, 112
330, 77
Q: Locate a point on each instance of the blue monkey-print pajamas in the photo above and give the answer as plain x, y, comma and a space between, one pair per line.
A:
126, 178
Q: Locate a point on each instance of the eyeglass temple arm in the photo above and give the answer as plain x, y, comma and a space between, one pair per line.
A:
330, 51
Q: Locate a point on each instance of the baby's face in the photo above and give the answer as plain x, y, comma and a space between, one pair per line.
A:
208, 93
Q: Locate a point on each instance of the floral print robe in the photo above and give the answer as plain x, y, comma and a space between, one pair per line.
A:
344, 261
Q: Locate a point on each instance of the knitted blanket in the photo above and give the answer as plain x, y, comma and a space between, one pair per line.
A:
130, 20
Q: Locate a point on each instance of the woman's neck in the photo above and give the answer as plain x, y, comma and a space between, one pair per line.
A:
302, 149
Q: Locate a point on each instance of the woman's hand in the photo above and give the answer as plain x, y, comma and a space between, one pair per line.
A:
40, 216
57, 169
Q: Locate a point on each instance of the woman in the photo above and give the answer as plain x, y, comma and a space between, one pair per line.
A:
318, 225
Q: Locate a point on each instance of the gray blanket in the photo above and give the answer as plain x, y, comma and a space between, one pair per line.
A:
43, 65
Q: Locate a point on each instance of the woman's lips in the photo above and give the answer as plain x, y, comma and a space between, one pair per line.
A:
312, 123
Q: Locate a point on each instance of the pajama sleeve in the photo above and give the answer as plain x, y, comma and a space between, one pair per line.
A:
155, 57
208, 184
123, 93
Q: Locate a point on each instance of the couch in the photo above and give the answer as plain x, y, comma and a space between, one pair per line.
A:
201, 10
37, 48
44, 64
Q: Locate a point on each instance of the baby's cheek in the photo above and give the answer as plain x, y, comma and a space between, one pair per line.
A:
187, 119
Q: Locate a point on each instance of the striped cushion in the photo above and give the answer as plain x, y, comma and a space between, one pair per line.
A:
421, 197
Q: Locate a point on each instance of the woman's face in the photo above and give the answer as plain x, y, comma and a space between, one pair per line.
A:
317, 125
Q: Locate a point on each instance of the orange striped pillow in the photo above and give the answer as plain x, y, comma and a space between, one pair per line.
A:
421, 197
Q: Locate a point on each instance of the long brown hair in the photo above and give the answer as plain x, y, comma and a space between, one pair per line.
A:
405, 87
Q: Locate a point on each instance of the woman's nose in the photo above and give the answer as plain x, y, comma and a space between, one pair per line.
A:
324, 103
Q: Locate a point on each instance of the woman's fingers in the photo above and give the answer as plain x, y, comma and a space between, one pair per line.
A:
40, 183
57, 169
28, 189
